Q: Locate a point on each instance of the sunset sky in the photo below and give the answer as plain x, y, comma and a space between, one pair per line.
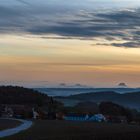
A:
88, 42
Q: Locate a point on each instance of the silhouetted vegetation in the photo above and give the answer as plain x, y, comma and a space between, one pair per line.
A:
22, 100
25, 96
113, 112
112, 109
20, 95
83, 108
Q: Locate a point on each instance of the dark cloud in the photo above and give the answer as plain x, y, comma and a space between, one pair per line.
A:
8, 13
71, 31
134, 44
63, 84
23, 2
113, 25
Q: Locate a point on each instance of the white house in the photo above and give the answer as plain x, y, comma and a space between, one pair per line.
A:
97, 118
35, 114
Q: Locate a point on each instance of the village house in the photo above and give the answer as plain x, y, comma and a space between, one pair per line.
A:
35, 114
6, 112
25, 111
60, 116
16, 111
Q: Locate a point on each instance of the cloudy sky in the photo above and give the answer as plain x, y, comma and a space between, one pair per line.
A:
90, 42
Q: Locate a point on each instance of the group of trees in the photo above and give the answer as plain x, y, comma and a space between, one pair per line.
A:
112, 109
20, 95
105, 108
10, 95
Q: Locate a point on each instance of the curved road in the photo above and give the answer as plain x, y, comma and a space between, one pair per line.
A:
8, 132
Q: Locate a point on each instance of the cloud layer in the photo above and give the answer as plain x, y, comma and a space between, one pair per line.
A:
70, 22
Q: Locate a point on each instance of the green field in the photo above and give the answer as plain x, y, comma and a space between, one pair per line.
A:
63, 130
5, 124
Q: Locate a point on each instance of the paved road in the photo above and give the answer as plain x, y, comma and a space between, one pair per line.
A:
8, 132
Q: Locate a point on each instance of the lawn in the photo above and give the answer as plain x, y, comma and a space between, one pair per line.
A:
63, 130
6, 124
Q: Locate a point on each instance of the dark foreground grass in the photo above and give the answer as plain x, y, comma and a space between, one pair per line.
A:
62, 130
5, 124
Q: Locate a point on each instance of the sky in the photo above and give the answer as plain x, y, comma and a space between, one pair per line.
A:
79, 42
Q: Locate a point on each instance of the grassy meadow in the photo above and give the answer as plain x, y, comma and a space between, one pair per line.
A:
6, 124
64, 130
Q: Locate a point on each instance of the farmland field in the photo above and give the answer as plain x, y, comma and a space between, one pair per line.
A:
63, 130
5, 124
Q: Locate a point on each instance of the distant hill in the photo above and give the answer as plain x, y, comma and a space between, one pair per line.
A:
23, 96
131, 100
73, 91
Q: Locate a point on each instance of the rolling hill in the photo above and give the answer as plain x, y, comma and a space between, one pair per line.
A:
131, 100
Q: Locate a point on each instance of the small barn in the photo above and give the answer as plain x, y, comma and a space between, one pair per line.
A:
76, 117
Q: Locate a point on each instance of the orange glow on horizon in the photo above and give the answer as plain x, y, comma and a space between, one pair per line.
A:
65, 60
